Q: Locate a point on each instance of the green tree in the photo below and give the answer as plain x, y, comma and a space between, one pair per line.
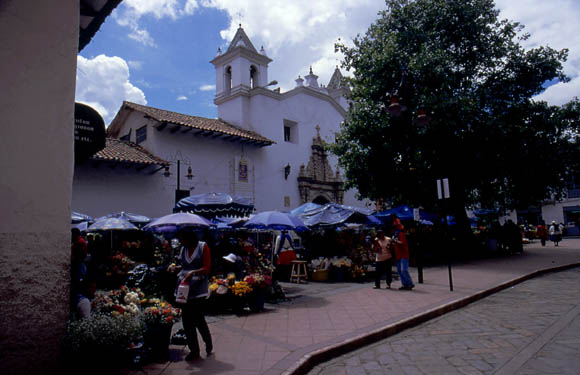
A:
475, 81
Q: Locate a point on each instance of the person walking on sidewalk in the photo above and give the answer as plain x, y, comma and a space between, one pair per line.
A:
555, 233
384, 259
195, 262
542, 232
402, 255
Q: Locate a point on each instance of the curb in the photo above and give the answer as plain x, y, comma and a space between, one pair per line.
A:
307, 362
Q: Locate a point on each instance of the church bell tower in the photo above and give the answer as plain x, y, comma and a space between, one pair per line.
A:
239, 70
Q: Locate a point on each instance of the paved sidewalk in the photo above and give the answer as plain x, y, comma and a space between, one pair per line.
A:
532, 328
283, 339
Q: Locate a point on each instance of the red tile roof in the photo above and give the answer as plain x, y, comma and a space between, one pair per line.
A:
128, 152
201, 123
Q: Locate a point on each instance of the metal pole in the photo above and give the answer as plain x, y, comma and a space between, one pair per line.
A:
420, 264
178, 166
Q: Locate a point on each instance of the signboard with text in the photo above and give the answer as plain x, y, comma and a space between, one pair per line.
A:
89, 132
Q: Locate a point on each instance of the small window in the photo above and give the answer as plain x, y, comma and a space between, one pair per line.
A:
287, 134
290, 131
253, 77
126, 137
228, 79
141, 134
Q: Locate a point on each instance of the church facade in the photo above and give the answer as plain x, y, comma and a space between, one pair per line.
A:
265, 145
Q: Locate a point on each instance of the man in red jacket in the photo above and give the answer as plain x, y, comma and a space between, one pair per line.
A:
402, 255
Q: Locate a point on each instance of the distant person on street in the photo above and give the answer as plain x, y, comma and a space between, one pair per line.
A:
402, 255
555, 233
542, 232
384, 259
195, 259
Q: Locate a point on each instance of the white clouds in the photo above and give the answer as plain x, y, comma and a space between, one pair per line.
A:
298, 33
555, 24
561, 93
134, 64
103, 82
207, 87
181, 98
131, 12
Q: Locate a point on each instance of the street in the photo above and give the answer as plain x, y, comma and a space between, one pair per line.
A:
531, 328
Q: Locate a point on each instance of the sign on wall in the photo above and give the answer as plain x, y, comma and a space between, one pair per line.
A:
89, 132
242, 170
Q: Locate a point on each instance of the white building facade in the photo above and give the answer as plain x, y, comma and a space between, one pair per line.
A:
265, 145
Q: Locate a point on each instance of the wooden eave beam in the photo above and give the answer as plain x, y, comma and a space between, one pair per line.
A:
187, 129
175, 128
87, 10
161, 126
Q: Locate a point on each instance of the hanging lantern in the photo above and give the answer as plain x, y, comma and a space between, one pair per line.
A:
422, 118
394, 108
189, 173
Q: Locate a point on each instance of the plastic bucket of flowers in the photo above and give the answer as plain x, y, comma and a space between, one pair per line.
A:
218, 296
240, 291
158, 317
259, 283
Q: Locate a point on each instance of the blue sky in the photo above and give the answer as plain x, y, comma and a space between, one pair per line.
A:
157, 52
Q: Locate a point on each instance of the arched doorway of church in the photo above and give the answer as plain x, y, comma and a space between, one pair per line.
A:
321, 200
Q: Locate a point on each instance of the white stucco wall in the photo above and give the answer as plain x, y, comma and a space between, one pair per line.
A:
39, 42
100, 191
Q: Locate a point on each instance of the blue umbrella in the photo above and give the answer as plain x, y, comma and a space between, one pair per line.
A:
309, 206
174, 222
77, 218
132, 218
276, 220
215, 204
111, 223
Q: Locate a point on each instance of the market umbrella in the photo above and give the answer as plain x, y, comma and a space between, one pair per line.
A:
276, 220
132, 218
308, 206
77, 217
333, 214
174, 222
111, 224
215, 204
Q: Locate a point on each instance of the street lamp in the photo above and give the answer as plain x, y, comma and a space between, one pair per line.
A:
180, 194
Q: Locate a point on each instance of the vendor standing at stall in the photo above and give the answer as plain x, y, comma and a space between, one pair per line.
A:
195, 260
384, 259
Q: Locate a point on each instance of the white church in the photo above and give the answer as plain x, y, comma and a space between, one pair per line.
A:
265, 145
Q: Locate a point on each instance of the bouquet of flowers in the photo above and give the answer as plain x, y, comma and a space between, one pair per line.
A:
218, 286
258, 280
159, 312
357, 272
118, 302
241, 289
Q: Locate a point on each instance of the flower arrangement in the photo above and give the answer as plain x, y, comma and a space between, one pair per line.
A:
241, 289
118, 302
258, 280
357, 272
159, 312
106, 332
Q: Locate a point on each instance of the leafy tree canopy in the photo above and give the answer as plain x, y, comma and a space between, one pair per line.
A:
470, 73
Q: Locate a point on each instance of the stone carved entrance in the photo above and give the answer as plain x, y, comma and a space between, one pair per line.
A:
317, 182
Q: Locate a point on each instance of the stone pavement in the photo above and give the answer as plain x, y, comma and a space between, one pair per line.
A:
330, 318
531, 328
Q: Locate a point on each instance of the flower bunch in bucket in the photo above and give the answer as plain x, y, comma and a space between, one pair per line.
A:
160, 312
